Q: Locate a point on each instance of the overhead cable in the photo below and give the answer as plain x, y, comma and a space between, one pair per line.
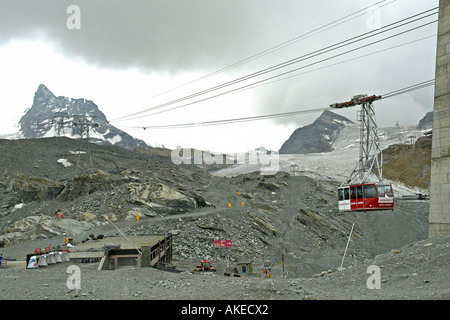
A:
288, 63
279, 75
417, 86
296, 39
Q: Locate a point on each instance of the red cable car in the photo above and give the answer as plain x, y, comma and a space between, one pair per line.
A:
366, 197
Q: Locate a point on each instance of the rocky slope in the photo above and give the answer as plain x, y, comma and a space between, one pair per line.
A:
409, 164
38, 184
264, 215
267, 217
51, 116
426, 123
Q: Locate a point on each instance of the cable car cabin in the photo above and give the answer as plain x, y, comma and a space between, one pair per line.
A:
364, 197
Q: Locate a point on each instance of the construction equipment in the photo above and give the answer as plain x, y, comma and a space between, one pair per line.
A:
205, 266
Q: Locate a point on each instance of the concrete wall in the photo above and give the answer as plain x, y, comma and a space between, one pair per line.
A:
440, 157
160, 252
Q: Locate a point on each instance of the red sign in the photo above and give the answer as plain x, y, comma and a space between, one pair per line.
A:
60, 214
222, 244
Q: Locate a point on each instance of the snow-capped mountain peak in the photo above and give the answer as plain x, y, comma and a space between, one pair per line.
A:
51, 116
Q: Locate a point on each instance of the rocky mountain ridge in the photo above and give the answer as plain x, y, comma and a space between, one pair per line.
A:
51, 116
317, 136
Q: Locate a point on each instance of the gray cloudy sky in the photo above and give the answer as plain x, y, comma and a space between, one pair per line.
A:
127, 51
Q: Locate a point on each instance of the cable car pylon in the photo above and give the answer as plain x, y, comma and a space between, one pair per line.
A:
357, 193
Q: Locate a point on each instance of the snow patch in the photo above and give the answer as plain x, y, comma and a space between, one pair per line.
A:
342, 122
77, 152
97, 135
50, 133
19, 206
64, 162
115, 139
338, 164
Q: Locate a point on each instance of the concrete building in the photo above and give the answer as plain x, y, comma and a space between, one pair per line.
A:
440, 156
120, 252
245, 267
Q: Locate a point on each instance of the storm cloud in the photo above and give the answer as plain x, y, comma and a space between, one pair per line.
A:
201, 36
162, 35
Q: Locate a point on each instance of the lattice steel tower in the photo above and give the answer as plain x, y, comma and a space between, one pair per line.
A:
370, 154
84, 123
58, 122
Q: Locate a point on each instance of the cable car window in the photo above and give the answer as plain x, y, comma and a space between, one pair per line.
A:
384, 191
346, 194
341, 194
388, 191
370, 191
353, 192
359, 192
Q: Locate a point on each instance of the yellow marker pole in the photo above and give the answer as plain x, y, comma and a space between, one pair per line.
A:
242, 203
229, 205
